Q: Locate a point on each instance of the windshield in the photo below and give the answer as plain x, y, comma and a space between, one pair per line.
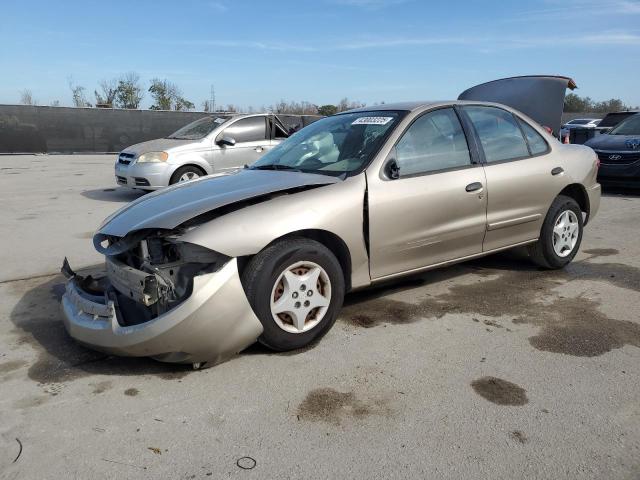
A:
334, 145
579, 122
630, 126
200, 128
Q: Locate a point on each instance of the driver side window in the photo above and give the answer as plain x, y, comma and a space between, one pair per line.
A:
250, 129
434, 142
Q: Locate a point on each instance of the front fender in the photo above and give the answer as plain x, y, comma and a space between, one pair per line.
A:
336, 208
190, 158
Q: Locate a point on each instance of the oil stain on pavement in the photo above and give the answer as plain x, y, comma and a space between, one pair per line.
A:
572, 326
499, 391
331, 406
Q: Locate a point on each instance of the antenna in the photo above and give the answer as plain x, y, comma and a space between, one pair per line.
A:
213, 99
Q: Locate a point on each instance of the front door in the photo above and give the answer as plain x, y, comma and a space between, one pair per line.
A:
435, 208
252, 141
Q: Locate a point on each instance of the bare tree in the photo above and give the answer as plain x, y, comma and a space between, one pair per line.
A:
55, 103
206, 106
129, 93
107, 95
26, 97
299, 108
345, 104
77, 94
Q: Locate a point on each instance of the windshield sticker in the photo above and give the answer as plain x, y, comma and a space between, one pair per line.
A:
372, 121
220, 120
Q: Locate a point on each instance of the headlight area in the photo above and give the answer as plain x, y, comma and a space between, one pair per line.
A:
152, 272
153, 157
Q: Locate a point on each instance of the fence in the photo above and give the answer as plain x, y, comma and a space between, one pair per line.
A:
39, 129
36, 129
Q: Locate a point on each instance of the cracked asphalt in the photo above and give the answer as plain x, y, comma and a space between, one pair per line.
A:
487, 369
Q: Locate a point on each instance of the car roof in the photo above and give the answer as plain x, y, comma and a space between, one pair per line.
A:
408, 106
413, 106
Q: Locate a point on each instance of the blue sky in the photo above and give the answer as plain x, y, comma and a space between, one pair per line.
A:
256, 53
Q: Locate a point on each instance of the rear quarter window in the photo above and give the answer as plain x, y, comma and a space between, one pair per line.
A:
537, 144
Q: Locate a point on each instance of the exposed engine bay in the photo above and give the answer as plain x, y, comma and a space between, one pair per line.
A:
149, 272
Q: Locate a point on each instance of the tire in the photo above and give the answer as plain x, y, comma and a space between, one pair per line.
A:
265, 282
560, 238
187, 170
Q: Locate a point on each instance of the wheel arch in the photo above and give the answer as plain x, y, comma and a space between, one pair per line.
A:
189, 164
579, 194
329, 239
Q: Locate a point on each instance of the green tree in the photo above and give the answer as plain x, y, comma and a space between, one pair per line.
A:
129, 92
576, 103
327, 110
167, 96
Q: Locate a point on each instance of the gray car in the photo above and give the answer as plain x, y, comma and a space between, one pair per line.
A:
211, 144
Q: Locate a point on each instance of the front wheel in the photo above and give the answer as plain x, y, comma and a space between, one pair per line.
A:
186, 173
560, 236
296, 289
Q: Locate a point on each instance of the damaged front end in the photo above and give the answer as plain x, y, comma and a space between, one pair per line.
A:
161, 297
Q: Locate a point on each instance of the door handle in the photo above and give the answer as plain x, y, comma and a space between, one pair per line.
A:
259, 149
473, 187
557, 171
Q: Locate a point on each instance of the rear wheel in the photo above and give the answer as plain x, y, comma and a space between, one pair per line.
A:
296, 289
186, 173
560, 236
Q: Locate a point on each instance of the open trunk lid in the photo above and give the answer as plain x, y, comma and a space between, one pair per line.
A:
541, 97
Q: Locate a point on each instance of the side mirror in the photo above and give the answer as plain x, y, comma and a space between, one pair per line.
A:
227, 141
392, 170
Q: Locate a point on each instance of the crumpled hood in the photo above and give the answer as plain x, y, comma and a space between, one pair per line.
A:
157, 145
172, 206
616, 143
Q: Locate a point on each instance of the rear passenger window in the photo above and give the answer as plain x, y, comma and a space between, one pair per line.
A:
435, 141
251, 129
537, 144
499, 133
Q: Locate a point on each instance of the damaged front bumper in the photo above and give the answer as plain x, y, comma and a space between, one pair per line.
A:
212, 324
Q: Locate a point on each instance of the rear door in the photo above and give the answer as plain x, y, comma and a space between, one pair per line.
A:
252, 140
519, 167
435, 210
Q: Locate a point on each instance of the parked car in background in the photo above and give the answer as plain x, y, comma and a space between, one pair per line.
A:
199, 271
619, 153
211, 144
612, 119
580, 123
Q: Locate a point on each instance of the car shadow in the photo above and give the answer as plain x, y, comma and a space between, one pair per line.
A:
38, 323
611, 191
117, 194
514, 260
